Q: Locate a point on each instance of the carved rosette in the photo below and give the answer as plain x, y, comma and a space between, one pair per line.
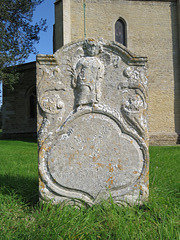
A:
92, 124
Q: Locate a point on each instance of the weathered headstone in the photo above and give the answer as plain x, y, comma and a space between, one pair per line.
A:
92, 124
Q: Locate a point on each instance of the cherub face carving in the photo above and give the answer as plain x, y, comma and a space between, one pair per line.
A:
93, 48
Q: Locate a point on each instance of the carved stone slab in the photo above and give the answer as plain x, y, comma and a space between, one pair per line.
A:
92, 124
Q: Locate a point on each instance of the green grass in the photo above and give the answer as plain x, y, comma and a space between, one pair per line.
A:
23, 217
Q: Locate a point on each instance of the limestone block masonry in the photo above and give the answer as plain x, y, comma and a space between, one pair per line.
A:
92, 124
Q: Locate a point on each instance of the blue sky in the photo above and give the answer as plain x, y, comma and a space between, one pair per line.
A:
45, 46
46, 11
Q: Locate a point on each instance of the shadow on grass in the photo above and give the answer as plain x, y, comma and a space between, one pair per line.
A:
32, 140
26, 188
32, 137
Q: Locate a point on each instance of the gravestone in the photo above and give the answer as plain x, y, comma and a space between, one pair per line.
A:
92, 124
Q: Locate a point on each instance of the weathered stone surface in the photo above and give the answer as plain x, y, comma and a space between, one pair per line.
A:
92, 123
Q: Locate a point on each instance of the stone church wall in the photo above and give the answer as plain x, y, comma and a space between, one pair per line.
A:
152, 31
19, 107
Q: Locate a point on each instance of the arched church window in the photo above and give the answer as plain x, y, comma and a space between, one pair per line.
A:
31, 102
120, 31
